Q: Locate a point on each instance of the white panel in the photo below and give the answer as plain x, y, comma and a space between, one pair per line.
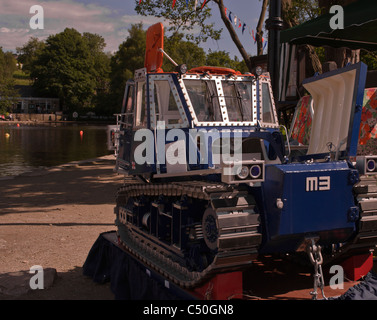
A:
332, 103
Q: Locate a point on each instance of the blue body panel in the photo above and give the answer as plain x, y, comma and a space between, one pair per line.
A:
317, 200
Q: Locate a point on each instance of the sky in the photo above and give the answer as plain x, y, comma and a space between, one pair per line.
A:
111, 19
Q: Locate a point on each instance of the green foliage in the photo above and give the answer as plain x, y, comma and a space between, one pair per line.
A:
222, 59
369, 58
29, 52
71, 67
21, 78
74, 67
7, 91
300, 11
182, 18
182, 51
128, 58
320, 51
7, 64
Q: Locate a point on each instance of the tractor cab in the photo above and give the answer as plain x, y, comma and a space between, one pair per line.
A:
195, 122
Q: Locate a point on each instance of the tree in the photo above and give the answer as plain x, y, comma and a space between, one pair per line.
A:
259, 31
101, 60
183, 17
101, 72
182, 51
128, 58
295, 12
7, 91
29, 52
222, 59
71, 67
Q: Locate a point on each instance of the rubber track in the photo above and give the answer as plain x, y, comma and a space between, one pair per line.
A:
227, 259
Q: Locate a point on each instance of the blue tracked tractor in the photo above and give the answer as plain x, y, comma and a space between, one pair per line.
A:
211, 182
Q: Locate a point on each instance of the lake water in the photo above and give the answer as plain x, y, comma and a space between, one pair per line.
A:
29, 147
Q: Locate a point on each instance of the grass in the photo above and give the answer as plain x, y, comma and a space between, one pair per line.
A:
21, 78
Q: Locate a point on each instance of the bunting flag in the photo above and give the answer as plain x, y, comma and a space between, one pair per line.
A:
236, 20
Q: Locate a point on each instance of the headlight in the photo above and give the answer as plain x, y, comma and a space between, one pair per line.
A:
371, 165
367, 165
181, 69
243, 172
247, 171
255, 171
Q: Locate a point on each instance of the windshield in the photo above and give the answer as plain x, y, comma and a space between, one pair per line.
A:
238, 100
204, 98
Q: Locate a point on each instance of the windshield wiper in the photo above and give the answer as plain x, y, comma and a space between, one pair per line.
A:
239, 100
209, 97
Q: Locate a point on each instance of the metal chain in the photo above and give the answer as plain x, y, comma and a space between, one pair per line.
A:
316, 259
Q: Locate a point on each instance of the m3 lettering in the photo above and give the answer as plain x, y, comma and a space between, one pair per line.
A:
318, 183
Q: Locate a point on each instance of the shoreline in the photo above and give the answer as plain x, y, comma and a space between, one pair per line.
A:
47, 170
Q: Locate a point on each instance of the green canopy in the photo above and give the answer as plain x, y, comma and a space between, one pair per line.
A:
360, 29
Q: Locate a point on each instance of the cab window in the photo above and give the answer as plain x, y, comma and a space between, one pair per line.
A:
141, 112
166, 108
267, 111
204, 100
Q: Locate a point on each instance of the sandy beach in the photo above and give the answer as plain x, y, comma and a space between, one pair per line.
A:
51, 218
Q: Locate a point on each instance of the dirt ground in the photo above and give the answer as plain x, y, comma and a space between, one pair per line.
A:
51, 218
